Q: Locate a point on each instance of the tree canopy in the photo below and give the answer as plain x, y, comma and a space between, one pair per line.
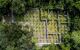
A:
12, 37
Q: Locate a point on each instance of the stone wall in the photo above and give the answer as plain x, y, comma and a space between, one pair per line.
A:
47, 25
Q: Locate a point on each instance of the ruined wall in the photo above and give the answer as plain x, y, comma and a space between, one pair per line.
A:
47, 25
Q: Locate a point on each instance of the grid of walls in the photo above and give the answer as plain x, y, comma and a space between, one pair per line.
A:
45, 25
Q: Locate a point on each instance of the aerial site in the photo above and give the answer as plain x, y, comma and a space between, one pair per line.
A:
39, 24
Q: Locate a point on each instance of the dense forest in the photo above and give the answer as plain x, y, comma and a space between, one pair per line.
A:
12, 37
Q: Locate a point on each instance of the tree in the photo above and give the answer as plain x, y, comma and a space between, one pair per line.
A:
77, 5
50, 47
12, 37
76, 36
10, 8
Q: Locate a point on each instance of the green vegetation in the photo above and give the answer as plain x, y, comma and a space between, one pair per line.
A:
71, 42
12, 37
